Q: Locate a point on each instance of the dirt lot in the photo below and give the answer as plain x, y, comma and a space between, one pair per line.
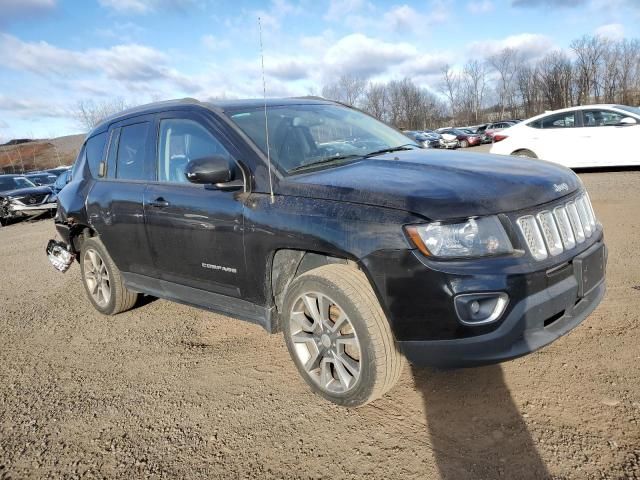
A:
169, 391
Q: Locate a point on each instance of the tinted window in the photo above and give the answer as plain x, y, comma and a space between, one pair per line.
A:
601, 118
132, 152
559, 120
94, 151
181, 141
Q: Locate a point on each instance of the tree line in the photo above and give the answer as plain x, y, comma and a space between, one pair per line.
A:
503, 85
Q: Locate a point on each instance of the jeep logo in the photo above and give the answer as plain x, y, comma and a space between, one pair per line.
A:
561, 187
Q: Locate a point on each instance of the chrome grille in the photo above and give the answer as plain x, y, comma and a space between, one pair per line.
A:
549, 233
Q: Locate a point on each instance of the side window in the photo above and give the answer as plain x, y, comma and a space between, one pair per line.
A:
601, 118
180, 141
132, 152
95, 151
559, 120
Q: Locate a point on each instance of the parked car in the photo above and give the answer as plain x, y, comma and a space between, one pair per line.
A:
58, 170
487, 131
449, 140
41, 178
21, 198
464, 139
427, 140
61, 181
577, 137
314, 219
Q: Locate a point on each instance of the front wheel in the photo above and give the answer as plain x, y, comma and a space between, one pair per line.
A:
102, 280
464, 144
339, 337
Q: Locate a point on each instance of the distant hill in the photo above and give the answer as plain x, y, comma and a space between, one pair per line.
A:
39, 154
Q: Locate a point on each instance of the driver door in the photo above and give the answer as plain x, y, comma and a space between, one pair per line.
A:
195, 231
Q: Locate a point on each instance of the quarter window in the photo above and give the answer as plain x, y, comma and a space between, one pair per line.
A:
183, 140
132, 152
94, 151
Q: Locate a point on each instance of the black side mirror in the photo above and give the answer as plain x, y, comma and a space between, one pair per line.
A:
209, 170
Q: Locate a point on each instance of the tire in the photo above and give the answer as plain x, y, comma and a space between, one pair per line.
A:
100, 275
464, 144
363, 345
524, 153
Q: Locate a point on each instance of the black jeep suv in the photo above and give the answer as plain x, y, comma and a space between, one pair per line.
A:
312, 218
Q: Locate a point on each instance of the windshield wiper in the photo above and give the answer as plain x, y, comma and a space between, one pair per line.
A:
324, 161
392, 149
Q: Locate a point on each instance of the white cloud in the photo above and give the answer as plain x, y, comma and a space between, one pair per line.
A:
480, 6
129, 63
3, 124
146, 6
213, 43
15, 9
366, 56
529, 45
338, 9
612, 31
29, 107
402, 18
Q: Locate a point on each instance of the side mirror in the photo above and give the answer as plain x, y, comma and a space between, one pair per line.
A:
627, 121
209, 170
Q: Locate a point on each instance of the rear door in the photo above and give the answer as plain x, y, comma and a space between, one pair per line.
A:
559, 139
116, 199
195, 231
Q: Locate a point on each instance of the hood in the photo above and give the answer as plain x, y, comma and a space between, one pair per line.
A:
448, 136
21, 192
438, 185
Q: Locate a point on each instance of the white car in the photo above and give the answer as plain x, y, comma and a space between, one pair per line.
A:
576, 137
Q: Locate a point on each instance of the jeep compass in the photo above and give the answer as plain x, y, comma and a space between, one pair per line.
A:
313, 219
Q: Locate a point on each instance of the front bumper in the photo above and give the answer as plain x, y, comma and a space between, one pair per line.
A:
534, 322
32, 209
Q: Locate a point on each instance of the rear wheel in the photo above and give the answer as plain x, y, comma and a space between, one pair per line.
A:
524, 153
339, 337
102, 280
464, 144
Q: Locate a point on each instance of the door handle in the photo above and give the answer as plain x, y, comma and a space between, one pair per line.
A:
159, 203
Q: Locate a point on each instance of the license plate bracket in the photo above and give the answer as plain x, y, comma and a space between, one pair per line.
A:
589, 269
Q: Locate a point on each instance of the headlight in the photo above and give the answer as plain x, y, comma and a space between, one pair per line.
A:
477, 237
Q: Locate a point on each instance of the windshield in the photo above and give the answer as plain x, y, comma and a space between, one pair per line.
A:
634, 110
304, 135
13, 183
42, 179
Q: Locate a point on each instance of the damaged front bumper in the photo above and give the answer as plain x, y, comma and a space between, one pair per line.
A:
59, 255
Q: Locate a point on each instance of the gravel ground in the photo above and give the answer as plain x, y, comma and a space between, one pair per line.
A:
169, 391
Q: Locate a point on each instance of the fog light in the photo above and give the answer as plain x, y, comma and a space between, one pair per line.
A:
480, 308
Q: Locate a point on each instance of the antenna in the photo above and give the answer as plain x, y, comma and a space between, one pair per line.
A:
266, 120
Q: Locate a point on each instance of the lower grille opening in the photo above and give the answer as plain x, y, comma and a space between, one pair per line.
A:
552, 319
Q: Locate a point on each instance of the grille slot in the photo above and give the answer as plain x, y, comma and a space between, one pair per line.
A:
532, 236
549, 233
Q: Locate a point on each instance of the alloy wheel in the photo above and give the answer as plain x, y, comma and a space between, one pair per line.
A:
325, 342
96, 277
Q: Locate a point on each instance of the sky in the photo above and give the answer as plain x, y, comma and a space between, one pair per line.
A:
57, 53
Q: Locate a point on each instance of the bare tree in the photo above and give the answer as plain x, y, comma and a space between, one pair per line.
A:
88, 113
475, 79
505, 63
450, 87
347, 89
375, 101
